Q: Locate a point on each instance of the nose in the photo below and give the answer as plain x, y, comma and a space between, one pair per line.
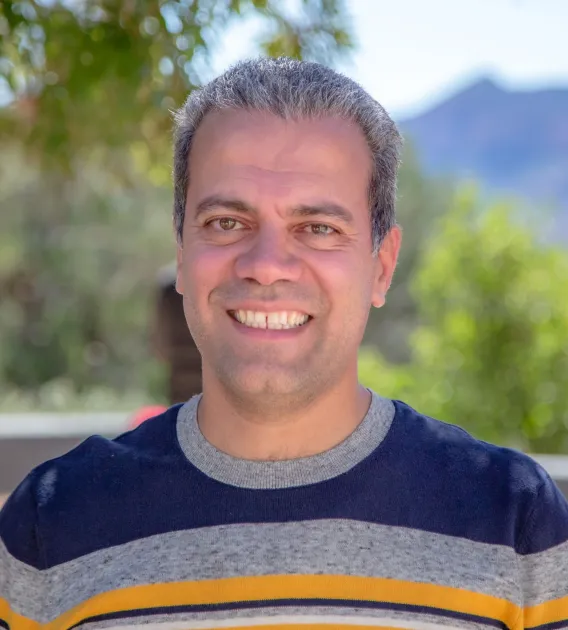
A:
269, 258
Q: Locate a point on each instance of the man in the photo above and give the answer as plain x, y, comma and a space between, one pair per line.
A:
286, 495
173, 342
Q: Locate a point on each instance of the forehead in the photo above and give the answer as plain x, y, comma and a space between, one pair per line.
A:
277, 156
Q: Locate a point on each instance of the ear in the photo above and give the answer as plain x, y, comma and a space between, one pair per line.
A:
386, 264
179, 275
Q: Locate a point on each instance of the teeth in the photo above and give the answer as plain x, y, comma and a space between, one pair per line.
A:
272, 321
259, 320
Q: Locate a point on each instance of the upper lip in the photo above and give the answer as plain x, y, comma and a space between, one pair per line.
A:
266, 307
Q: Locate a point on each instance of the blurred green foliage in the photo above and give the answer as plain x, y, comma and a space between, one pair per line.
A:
96, 76
78, 263
490, 352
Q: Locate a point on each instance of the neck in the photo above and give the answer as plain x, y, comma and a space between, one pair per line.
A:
314, 427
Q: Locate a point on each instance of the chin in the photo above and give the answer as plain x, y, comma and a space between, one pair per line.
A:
266, 383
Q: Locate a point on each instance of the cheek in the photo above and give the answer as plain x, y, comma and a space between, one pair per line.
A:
348, 282
204, 268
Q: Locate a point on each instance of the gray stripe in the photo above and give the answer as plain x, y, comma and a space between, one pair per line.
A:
339, 547
289, 473
545, 575
21, 585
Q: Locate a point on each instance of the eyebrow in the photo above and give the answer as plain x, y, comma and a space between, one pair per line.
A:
326, 208
215, 201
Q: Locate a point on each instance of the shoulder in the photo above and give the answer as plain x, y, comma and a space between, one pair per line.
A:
98, 458
494, 493
83, 485
476, 460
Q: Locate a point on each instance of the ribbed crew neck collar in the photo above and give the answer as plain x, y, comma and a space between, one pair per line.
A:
263, 475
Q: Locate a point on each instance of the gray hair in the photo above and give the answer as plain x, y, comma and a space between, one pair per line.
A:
295, 90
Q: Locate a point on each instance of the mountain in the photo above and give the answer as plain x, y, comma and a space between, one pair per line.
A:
510, 141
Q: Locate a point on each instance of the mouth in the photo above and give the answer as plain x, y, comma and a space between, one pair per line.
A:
281, 320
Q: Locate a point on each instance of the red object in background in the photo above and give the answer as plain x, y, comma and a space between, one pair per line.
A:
150, 411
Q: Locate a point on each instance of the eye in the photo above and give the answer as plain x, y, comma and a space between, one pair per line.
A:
224, 224
320, 229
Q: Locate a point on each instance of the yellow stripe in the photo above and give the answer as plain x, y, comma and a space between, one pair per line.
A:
241, 589
276, 587
15, 621
549, 612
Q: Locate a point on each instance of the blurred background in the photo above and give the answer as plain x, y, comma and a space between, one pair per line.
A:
475, 330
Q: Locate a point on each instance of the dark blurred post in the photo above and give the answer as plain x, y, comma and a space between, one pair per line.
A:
173, 341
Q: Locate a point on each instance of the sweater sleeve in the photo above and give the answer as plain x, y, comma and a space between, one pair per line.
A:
21, 592
543, 560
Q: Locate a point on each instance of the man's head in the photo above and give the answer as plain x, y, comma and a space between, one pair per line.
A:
285, 186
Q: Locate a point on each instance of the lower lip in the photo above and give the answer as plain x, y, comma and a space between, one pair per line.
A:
268, 334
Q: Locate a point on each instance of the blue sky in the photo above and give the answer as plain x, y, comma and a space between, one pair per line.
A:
412, 53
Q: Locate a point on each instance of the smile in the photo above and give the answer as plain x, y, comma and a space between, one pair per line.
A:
281, 320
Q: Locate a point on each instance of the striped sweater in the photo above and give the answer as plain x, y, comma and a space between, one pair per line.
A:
408, 523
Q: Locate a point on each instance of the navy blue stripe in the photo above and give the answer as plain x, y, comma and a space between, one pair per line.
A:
343, 603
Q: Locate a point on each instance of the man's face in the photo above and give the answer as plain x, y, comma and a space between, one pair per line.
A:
276, 264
